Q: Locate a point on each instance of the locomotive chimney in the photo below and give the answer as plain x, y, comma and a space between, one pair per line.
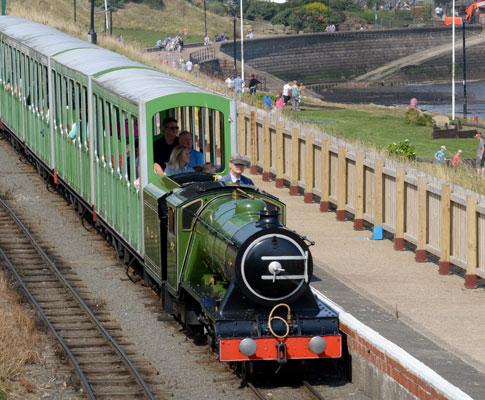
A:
269, 217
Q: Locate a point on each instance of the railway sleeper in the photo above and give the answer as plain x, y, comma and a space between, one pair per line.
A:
76, 343
86, 324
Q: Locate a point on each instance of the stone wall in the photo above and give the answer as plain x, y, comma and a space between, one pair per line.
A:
327, 57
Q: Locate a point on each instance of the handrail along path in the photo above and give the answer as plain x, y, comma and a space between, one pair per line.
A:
104, 371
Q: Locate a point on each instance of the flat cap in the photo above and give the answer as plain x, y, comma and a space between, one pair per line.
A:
239, 161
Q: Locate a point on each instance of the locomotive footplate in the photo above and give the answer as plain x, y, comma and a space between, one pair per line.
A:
242, 332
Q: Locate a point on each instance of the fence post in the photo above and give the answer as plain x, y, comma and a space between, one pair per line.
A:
266, 150
378, 170
399, 233
241, 131
445, 234
359, 186
295, 160
280, 152
309, 165
324, 201
207, 130
254, 144
471, 256
342, 183
422, 219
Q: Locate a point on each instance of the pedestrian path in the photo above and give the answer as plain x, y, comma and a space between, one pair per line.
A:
433, 317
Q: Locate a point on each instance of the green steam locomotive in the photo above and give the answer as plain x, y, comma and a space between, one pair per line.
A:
221, 256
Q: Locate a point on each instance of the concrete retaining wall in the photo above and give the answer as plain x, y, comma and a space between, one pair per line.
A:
315, 58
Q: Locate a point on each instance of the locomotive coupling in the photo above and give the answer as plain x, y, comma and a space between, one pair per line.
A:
286, 322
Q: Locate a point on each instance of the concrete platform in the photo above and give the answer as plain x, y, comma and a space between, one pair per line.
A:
433, 317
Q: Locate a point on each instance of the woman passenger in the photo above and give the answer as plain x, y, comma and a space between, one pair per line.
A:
179, 161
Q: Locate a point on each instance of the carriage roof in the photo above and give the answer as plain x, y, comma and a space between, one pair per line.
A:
111, 70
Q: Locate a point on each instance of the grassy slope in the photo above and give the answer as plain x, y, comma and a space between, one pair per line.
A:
380, 127
140, 23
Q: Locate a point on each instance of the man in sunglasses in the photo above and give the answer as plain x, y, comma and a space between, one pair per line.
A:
164, 146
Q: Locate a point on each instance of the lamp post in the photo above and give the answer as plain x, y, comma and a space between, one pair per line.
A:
465, 100
453, 62
232, 8
92, 33
4, 7
242, 42
75, 11
234, 42
205, 19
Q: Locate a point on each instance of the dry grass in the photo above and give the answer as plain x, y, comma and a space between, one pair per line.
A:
19, 339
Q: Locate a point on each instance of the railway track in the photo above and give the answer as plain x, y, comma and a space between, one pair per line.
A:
105, 370
306, 391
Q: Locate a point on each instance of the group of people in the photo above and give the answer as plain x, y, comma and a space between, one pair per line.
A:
174, 154
293, 93
171, 43
440, 157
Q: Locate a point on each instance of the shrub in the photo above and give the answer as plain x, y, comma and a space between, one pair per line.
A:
316, 7
255, 9
402, 149
418, 118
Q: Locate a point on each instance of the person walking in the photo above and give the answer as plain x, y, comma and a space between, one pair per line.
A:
253, 84
440, 156
480, 160
238, 85
287, 92
295, 94
455, 160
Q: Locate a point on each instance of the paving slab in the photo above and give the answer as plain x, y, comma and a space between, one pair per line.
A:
431, 316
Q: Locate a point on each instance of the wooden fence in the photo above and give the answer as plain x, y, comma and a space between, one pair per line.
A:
431, 215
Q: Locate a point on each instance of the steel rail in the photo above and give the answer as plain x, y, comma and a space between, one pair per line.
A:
313, 392
75, 364
256, 391
133, 371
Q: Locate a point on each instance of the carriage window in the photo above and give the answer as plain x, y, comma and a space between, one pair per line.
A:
204, 135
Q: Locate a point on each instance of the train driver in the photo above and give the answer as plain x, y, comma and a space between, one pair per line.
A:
236, 170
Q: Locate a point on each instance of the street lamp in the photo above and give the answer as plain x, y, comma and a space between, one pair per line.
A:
465, 100
232, 7
75, 11
92, 33
242, 41
4, 7
205, 19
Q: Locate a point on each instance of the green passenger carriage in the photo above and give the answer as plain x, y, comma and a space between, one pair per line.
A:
221, 255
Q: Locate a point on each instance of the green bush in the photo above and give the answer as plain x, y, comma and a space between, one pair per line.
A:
281, 18
402, 149
302, 19
418, 118
255, 9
